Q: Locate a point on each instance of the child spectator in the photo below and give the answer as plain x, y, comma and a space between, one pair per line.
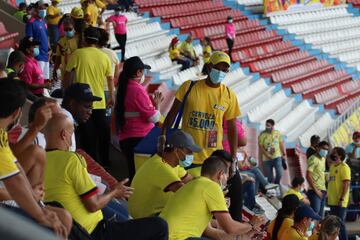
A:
297, 188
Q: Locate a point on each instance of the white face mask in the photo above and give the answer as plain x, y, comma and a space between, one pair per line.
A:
142, 80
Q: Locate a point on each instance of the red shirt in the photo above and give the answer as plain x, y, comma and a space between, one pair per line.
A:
32, 74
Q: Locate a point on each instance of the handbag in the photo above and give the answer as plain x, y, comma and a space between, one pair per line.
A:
148, 145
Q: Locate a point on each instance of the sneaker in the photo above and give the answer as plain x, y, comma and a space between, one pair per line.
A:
271, 186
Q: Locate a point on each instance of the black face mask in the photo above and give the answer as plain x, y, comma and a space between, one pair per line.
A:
333, 157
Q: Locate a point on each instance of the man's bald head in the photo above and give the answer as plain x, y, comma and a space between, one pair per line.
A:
58, 132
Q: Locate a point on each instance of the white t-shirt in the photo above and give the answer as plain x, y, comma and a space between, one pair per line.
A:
114, 61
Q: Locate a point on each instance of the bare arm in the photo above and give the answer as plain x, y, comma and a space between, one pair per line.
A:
283, 148
187, 178
110, 82
170, 116
230, 226
232, 136
346, 186
116, 74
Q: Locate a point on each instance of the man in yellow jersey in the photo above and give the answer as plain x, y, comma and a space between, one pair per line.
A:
13, 181
339, 187
304, 215
160, 177
90, 65
208, 104
192, 207
53, 17
297, 188
68, 182
315, 176
273, 151
91, 12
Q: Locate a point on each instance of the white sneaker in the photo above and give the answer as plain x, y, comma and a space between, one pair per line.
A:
271, 186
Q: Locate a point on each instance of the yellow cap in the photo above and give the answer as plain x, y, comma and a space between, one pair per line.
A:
218, 57
77, 13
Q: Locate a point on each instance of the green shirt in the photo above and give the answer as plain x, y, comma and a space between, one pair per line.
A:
20, 15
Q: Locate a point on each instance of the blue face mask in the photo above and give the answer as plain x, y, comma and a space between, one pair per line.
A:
323, 152
69, 34
42, 13
187, 162
36, 52
216, 76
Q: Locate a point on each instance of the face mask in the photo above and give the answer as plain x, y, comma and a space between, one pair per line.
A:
36, 52
142, 80
69, 34
187, 162
323, 153
268, 129
230, 21
217, 76
42, 13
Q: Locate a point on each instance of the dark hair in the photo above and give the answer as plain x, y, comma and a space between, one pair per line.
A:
22, 5
34, 107
80, 26
297, 181
226, 156
341, 152
289, 205
16, 57
212, 165
314, 139
229, 17
12, 96
322, 144
104, 38
270, 121
329, 226
91, 35
127, 73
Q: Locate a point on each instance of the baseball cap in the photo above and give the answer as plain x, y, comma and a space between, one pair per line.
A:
80, 91
92, 33
174, 40
182, 139
77, 13
218, 57
134, 63
356, 134
306, 211
27, 42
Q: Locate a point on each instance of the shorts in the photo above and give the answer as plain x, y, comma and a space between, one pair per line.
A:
45, 68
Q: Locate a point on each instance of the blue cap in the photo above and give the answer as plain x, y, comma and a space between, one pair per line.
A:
80, 91
306, 211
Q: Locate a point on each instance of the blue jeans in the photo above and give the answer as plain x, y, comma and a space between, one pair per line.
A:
54, 35
248, 190
316, 203
269, 165
341, 213
259, 177
115, 211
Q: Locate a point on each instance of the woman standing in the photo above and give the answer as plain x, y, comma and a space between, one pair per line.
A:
230, 34
134, 111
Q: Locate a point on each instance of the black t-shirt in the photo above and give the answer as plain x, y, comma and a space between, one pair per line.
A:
310, 151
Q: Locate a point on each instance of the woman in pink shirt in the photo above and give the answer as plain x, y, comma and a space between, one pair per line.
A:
135, 113
241, 136
230, 34
32, 74
119, 22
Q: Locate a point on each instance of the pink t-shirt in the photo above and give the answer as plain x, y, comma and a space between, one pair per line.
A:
230, 30
32, 74
119, 23
241, 134
138, 110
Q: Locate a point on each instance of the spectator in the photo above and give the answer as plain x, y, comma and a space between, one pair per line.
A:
242, 141
119, 21
304, 215
12, 98
339, 187
21, 13
329, 228
188, 218
285, 217
115, 64
205, 111
91, 66
175, 55
68, 182
297, 188
273, 150
134, 111
91, 12
32, 74
315, 176
230, 34
36, 29
65, 47
15, 64
159, 177
314, 141
187, 50
54, 15
207, 49
77, 14
353, 153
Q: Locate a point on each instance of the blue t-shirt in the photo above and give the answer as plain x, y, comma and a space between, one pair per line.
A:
350, 148
37, 29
